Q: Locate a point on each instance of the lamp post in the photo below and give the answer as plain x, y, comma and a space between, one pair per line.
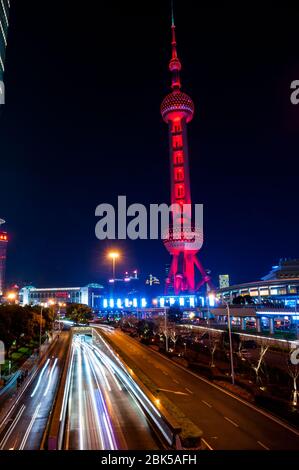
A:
166, 331
230, 342
113, 255
40, 325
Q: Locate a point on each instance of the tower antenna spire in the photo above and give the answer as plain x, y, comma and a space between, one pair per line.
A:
174, 64
172, 14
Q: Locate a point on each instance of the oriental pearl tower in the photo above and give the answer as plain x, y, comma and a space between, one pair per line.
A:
177, 110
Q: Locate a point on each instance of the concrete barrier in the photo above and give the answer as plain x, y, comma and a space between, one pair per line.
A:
53, 433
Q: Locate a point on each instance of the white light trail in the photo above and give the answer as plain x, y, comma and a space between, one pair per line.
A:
50, 377
12, 427
40, 378
23, 443
81, 419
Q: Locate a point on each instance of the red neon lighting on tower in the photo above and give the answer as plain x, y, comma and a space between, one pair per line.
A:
3, 249
177, 110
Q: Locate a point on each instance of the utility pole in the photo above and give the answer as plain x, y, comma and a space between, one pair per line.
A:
230, 343
166, 330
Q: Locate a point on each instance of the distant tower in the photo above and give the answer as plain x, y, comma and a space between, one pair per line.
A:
177, 110
3, 249
4, 11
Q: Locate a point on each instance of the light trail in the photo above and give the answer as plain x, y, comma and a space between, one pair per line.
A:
93, 400
67, 387
99, 399
81, 419
23, 443
40, 378
97, 374
135, 390
50, 377
12, 426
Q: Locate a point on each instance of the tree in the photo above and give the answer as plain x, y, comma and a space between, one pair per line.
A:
257, 368
145, 328
293, 371
214, 340
173, 336
79, 313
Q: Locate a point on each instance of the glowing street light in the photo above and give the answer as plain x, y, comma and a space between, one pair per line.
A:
11, 296
113, 255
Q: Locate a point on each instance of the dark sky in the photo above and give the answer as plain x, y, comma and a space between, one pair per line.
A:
82, 125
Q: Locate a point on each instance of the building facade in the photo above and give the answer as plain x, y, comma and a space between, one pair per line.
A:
89, 295
278, 288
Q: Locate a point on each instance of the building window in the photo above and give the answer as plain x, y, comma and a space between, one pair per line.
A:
177, 126
179, 191
178, 158
177, 141
179, 174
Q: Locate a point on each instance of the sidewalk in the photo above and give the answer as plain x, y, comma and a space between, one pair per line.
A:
10, 392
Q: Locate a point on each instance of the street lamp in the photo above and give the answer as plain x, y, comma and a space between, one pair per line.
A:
11, 296
40, 325
113, 255
230, 342
212, 299
166, 329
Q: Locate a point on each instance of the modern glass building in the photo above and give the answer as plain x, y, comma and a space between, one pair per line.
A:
280, 287
4, 14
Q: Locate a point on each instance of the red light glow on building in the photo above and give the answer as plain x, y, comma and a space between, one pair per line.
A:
177, 109
3, 250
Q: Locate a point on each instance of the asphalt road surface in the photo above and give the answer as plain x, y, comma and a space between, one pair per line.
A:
227, 423
102, 412
24, 425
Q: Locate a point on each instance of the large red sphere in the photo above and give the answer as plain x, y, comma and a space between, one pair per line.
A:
177, 104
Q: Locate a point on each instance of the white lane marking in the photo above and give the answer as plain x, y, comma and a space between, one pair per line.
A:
226, 392
23, 443
172, 391
206, 444
164, 372
231, 421
263, 445
13, 425
206, 403
176, 381
188, 390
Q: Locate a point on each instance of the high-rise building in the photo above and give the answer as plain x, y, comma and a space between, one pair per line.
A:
177, 110
3, 250
4, 13
223, 281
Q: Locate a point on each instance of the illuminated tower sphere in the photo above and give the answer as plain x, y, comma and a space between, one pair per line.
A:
177, 110
3, 249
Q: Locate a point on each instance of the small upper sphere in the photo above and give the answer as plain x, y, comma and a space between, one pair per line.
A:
177, 103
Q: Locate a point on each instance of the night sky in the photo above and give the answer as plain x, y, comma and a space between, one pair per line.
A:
82, 125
